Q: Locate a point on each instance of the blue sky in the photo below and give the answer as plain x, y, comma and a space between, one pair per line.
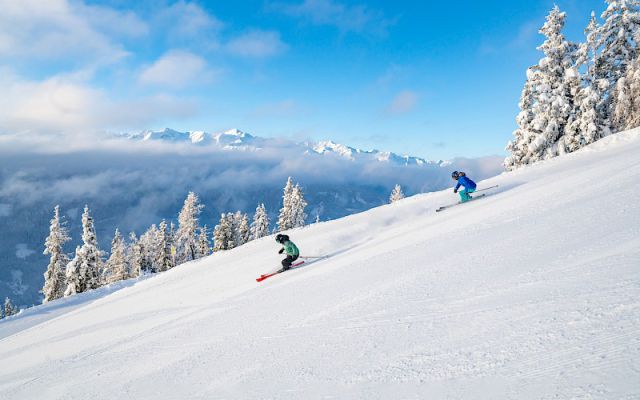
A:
432, 79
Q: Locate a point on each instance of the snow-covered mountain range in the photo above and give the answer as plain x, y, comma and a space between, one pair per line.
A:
235, 139
532, 292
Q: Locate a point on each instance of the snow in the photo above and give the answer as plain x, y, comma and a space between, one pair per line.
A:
532, 292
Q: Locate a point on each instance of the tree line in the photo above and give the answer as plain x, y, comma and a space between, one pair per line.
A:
579, 93
160, 248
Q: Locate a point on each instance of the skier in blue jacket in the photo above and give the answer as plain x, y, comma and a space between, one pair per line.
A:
468, 184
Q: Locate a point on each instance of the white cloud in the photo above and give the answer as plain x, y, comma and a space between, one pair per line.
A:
188, 23
403, 102
64, 104
177, 69
257, 43
347, 18
59, 30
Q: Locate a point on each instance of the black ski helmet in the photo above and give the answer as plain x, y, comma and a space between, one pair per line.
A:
280, 238
455, 174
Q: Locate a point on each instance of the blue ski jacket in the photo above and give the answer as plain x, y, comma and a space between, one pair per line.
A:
466, 182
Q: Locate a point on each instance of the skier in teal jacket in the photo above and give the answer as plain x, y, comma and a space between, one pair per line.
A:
291, 250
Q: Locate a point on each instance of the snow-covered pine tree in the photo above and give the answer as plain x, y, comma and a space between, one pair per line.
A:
72, 275
233, 220
396, 194
633, 79
285, 219
590, 121
518, 148
135, 256
587, 53
260, 225
203, 243
626, 111
548, 93
298, 206
223, 233
186, 238
244, 231
152, 250
164, 260
54, 277
84, 271
571, 138
619, 37
554, 103
172, 243
116, 269
9, 308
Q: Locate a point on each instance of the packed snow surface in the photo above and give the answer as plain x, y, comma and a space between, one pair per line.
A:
532, 292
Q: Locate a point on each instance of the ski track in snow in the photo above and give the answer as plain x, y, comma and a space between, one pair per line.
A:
532, 292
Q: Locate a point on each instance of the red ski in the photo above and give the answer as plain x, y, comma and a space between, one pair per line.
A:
265, 276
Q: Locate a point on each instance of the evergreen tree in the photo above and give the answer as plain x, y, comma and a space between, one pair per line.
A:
590, 122
633, 78
588, 125
285, 219
83, 272
186, 239
587, 54
244, 231
223, 233
203, 243
548, 95
626, 112
172, 243
9, 308
553, 104
116, 268
618, 39
164, 260
260, 225
72, 275
298, 206
396, 194
524, 134
135, 256
233, 221
152, 253
54, 277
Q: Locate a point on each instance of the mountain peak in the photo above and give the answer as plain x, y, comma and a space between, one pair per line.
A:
236, 139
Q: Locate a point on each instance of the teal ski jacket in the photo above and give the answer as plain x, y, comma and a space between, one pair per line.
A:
290, 248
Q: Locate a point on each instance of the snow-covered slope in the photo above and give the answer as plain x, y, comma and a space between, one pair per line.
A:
530, 293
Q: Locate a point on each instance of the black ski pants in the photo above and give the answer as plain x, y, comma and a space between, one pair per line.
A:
286, 263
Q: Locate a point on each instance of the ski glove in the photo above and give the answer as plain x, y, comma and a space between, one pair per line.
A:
455, 190
281, 251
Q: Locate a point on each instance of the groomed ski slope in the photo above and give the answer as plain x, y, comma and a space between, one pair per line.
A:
530, 293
